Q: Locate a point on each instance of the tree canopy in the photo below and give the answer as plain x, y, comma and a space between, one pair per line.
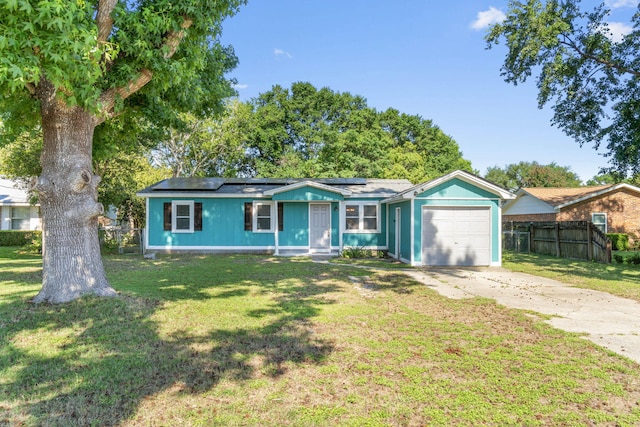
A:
309, 132
532, 174
589, 75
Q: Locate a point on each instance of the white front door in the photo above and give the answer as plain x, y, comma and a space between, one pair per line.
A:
320, 227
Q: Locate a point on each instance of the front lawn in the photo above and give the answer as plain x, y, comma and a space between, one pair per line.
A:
618, 279
250, 340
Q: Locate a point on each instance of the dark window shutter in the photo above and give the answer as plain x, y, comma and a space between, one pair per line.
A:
167, 217
248, 216
280, 216
197, 216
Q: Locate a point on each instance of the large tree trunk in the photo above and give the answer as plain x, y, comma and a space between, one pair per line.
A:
67, 190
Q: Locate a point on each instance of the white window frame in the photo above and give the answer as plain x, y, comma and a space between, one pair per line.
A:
23, 220
593, 214
174, 215
272, 217
361, 205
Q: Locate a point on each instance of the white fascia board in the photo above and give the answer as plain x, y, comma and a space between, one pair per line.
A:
412, 192
599, 193
193, 195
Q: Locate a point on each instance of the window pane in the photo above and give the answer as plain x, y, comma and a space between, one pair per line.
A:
182, 210
20, 224
21, 212
182, 224
352, 223
369, 223
370, 210
598, 218
264, 223
264, 210
352, 210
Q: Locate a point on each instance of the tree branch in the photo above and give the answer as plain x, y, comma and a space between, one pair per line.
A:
109, 97
572, 45
104, 21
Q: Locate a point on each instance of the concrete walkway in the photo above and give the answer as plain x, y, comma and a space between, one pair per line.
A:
607, 320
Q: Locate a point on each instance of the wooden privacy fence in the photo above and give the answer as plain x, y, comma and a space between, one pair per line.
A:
566, 239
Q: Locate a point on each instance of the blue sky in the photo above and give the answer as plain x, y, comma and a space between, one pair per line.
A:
417, 56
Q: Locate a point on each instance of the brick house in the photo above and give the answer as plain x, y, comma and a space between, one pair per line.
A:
612, 208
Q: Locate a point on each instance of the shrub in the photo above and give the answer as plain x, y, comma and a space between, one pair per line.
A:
356, 252
35, 245
18, 237
618, 258
634, 259
619, 241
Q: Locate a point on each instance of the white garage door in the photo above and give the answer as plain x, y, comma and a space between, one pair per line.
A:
456, 236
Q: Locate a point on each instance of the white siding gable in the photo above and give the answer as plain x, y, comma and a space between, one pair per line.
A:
527, 204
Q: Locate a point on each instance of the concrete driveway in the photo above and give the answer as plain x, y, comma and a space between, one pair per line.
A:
607, 320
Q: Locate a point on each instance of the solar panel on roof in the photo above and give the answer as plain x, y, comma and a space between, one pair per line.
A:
189, 184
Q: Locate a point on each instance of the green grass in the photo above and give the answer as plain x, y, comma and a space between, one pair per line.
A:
249, 340
617, 279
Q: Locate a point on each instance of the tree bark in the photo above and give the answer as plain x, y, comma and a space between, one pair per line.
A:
67, 190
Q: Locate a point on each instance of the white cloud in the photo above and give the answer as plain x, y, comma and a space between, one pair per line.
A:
280, 52
487, 18
616, 31
240, 86
615, 4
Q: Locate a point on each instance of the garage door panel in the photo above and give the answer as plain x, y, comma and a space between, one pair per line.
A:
456, 236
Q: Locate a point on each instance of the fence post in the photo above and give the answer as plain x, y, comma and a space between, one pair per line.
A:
532, 231
557, 239
589, 241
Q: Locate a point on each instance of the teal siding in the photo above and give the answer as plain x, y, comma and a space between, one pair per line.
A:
335, 224
308, 194
456, 188
296, 225
405, 229
378, 239
457, 193
222, 225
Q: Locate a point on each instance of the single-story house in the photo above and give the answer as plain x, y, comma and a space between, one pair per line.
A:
452, 220
612, 208
16, 212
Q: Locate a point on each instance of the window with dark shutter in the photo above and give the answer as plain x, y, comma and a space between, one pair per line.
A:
167, 217
197, 216
280, 216
248, 216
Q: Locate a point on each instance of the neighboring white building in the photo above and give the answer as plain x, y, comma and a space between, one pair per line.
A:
16, 213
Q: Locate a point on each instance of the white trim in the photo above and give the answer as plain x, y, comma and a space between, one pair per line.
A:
276, 229
319, 250
340, 227
598, 193
200, 195
311, 184
174, 215
606, 220
254, 217
493, 199
362, 203
413, 232
243, 248
212, 248
261, 195
146, 234
412, 192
